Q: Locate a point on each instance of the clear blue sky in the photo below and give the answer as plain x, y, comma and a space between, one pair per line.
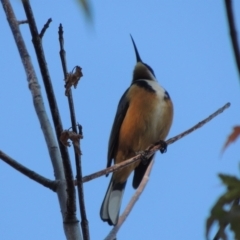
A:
188, 46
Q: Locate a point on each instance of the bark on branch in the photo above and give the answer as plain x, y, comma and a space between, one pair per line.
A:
77, 149
71, 226
29, 173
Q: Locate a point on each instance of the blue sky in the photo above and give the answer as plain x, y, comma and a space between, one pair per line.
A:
188, 46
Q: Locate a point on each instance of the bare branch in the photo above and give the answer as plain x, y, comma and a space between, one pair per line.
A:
128, 209
71, 228
233, 33
29, 173
77, 149
198, 125
22, 22
37, 42
152, 149
45, 27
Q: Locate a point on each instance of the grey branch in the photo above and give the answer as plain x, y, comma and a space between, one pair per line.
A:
29, 173
72, 231
84, 220
129, 207
70, 213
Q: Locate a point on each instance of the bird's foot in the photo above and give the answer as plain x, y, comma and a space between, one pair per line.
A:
163, 144
144, 156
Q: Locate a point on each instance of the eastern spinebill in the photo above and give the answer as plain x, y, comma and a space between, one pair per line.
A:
144, 116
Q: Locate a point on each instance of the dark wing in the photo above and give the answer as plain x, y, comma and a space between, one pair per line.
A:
121, 112
139, 172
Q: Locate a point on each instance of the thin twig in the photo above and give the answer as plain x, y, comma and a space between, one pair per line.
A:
152, 149
129, 207
22, 22
45, 27
233, 33
29, 173
37, 42
84, 221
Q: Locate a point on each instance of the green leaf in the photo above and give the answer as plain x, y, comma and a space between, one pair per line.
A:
222, 216
235, 221
230, 181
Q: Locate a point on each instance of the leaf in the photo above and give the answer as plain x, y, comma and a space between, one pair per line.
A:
234, 222
225, 217
64, 138
230, 181
74, 137
232, 137
72, 79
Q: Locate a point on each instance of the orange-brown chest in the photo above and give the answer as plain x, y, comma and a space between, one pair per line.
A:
147, 120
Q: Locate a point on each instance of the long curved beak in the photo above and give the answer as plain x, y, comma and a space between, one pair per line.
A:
136, 51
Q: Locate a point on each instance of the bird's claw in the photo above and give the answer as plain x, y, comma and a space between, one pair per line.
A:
144, 157
163, 148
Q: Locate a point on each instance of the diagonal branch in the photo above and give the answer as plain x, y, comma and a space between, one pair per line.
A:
128, 209
37, 42
29, 173
84, 221
152, 149
233, 33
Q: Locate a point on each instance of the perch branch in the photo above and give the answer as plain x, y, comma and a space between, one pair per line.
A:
152, 149
37, 42
77, 153
29, 173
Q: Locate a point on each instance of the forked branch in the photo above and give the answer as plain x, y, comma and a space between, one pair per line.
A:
72, 229
37, 43
77, 150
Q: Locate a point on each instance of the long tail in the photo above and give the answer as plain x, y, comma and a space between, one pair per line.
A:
112, 202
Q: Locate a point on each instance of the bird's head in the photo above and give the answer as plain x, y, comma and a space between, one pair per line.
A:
141, 70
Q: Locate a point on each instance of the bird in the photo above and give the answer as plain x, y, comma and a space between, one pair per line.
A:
144, 116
